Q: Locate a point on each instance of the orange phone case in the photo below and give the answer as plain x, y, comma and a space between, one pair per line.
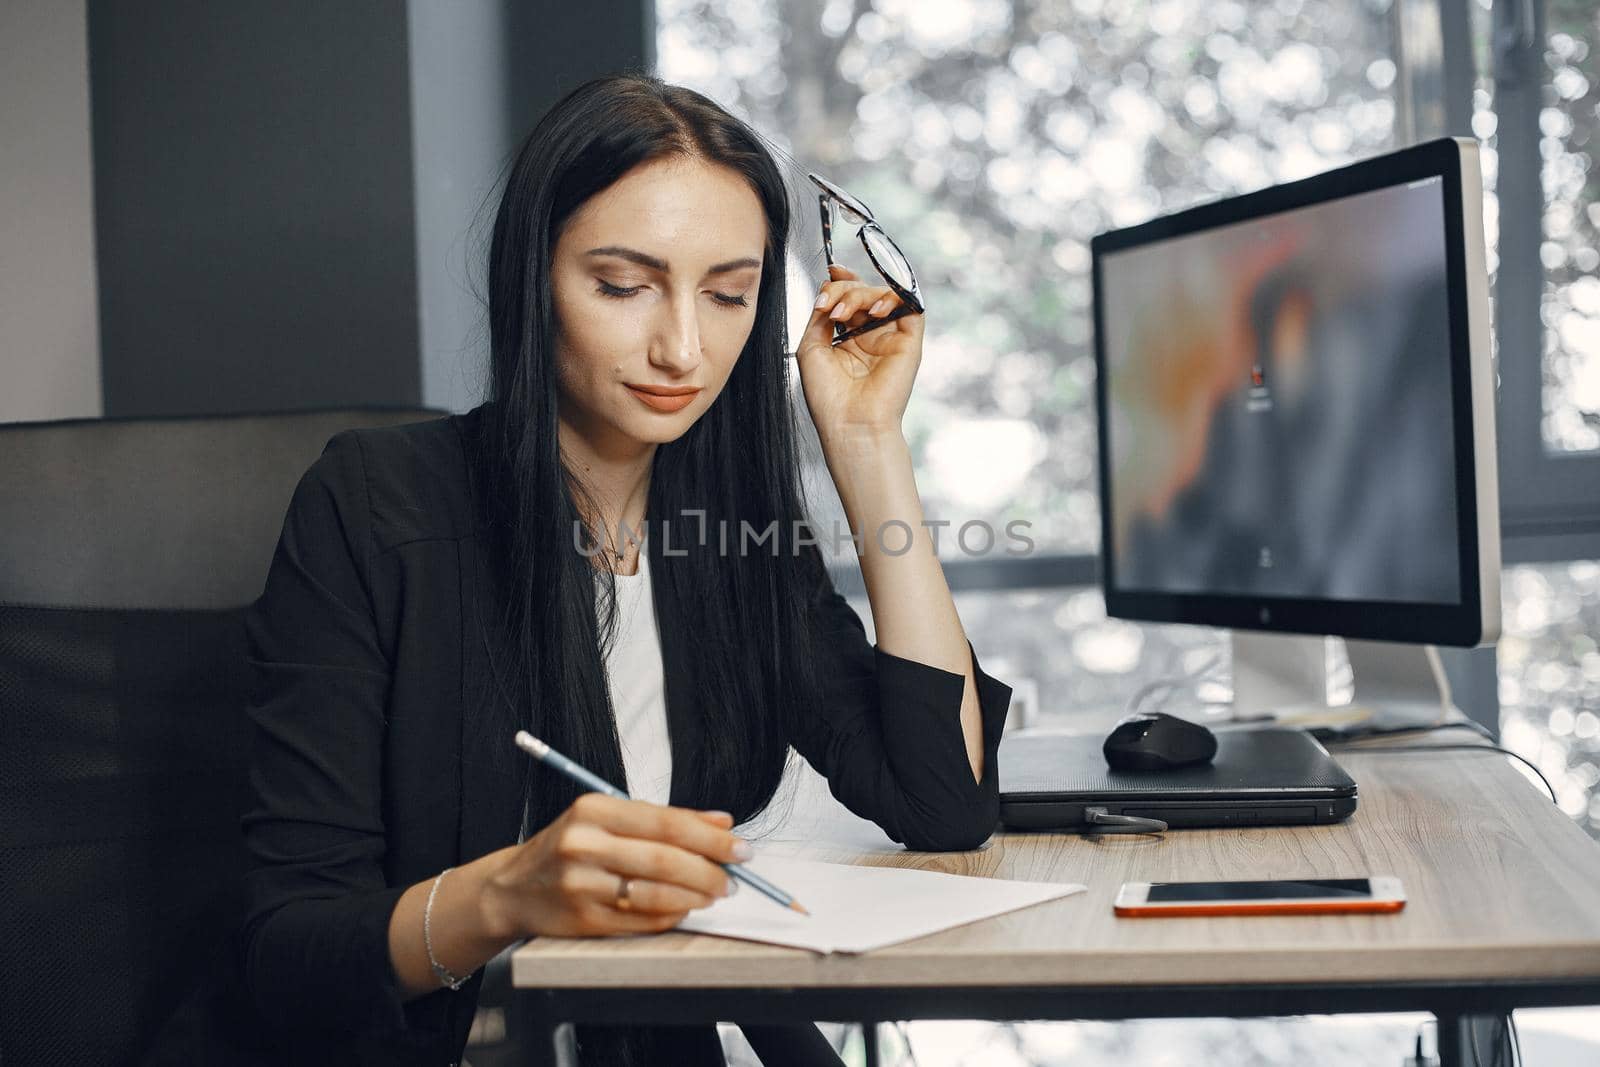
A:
1271, 907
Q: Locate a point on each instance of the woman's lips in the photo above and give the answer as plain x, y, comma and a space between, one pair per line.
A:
664, 402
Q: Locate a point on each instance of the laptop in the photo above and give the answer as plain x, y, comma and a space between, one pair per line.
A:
1266, 776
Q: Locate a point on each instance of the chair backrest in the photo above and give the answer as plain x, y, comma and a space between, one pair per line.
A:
130, 550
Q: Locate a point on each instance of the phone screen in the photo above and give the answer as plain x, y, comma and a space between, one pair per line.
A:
1183, 892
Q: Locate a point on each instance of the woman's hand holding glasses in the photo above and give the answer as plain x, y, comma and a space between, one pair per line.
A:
857, 390
859, 354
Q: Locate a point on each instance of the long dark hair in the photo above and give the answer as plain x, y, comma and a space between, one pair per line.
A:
749, 613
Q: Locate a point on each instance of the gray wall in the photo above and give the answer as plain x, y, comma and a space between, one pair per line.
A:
291, 201
254, 204
458, 123
482, 72
49, 333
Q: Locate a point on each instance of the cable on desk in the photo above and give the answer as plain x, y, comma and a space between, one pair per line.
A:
1463, 748
1123, 824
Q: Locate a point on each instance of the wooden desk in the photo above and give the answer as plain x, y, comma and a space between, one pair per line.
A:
1503, 912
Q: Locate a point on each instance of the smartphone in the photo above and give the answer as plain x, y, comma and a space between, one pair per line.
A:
1293, 897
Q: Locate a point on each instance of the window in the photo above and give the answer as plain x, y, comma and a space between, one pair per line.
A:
1550, 679
994, 139
994, 150
1535, 109
1569, 119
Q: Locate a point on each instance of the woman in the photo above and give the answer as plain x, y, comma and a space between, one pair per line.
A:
438, 587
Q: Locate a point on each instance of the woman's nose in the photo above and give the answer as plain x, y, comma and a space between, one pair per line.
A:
677, 346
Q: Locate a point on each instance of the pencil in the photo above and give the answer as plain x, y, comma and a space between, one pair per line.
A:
591, 781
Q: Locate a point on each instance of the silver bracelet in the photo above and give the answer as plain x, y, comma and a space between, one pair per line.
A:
440, 972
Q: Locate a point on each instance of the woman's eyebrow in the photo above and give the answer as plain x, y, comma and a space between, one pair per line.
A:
645, 260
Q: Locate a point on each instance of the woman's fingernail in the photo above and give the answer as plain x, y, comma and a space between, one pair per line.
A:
730, 887
822, 300
879, 308
742, 851
721, 815
839, 311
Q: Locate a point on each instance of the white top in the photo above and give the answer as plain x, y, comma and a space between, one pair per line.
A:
637, 682
638, 688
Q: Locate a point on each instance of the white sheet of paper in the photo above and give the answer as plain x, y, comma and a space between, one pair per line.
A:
857, 909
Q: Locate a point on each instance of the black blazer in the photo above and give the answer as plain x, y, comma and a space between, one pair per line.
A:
371, 768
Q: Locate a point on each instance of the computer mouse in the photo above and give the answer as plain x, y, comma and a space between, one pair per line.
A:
1158, 742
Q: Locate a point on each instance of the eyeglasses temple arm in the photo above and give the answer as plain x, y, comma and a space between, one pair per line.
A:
827, 228
898, 313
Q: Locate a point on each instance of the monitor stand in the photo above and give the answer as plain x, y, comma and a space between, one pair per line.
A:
1286, 676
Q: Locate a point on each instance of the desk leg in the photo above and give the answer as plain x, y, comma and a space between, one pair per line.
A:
1467, 1040
551, 1040
564, 1045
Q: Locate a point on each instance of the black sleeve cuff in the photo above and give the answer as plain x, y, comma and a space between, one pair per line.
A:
926, 748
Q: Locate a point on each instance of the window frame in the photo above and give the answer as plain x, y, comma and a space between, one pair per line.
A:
1549, 501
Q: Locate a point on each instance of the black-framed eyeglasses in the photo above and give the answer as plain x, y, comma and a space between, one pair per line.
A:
887, 259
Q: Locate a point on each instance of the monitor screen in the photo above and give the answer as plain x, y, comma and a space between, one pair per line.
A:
1278, 405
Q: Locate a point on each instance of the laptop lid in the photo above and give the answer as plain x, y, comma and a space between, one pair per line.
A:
1259, 776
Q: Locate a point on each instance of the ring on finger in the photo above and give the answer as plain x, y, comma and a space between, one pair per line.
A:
624, 895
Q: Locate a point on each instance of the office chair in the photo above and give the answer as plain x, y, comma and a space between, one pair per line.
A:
129, 552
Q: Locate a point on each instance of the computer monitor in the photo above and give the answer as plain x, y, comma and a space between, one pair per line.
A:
1296, 412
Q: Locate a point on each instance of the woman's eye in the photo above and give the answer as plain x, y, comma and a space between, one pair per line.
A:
723, 299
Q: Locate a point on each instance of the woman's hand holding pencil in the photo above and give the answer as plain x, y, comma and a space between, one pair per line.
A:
611, 865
